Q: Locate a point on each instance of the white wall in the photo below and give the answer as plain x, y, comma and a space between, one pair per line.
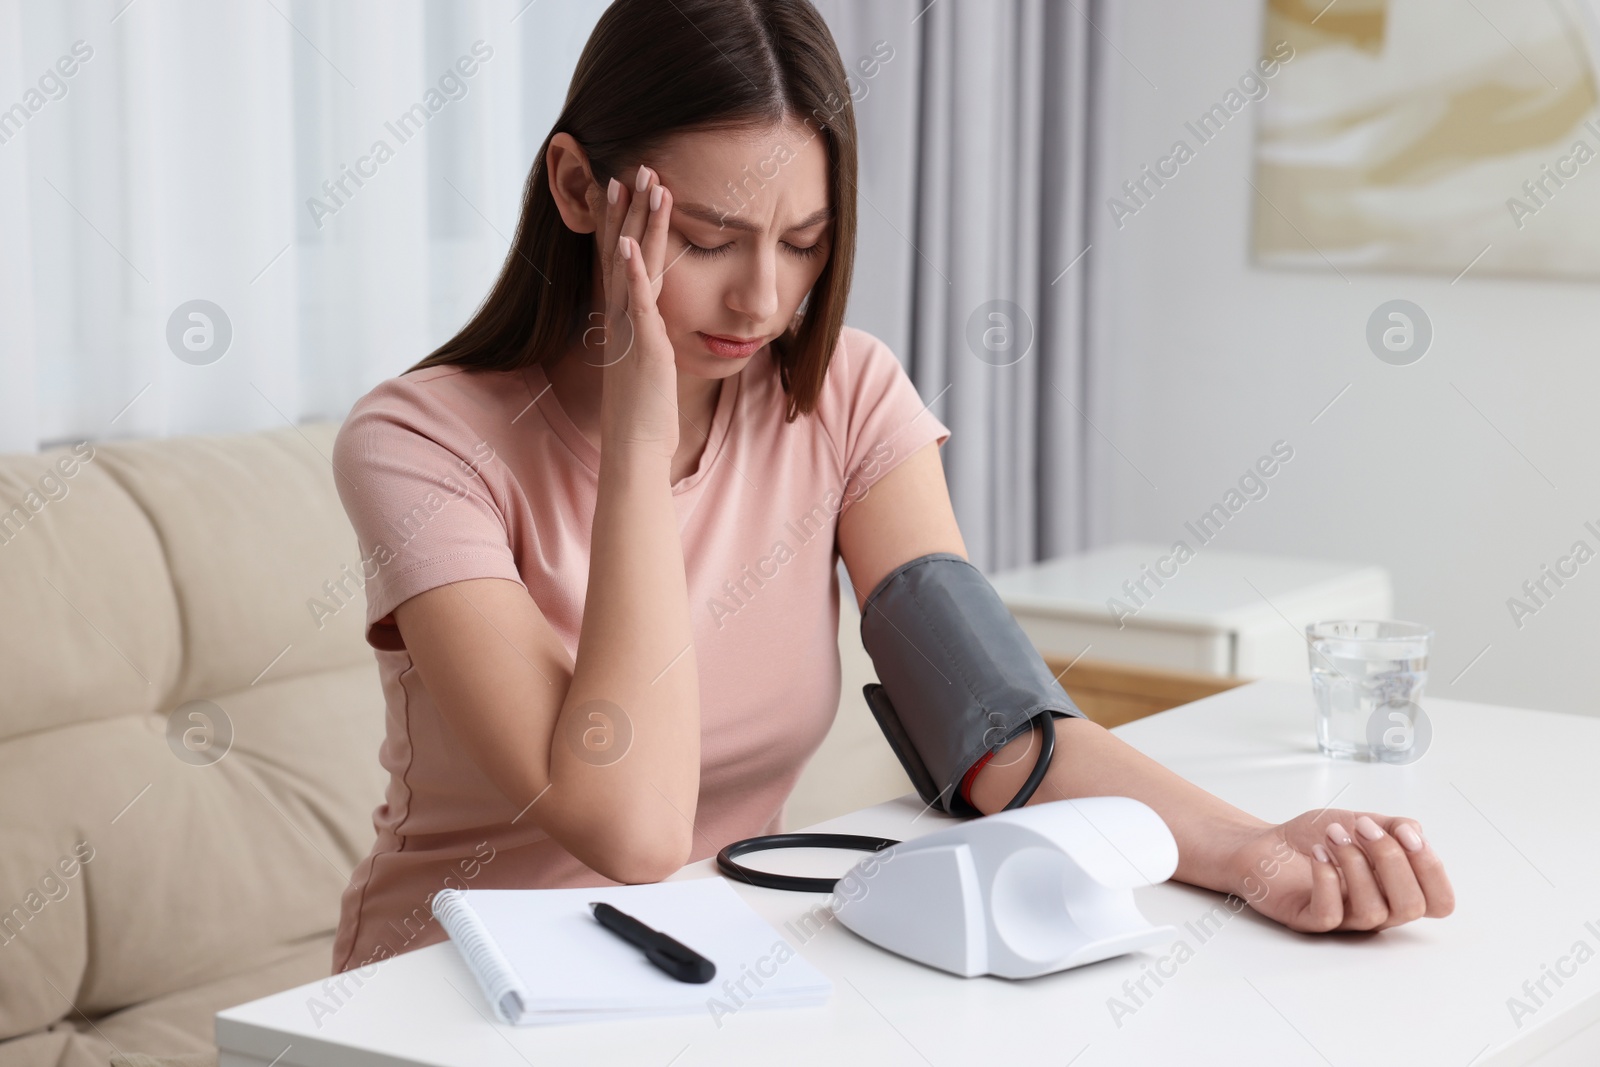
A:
1204, 361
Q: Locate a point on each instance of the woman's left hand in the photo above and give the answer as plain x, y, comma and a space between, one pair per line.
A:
1338, 869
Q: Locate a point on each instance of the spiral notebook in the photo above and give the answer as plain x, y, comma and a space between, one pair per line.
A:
540, 956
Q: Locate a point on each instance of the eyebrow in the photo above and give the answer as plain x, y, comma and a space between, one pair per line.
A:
721, 219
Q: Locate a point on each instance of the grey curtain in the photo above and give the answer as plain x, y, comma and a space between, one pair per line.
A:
971, 259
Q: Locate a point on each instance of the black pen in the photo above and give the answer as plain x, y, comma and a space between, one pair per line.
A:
677, 960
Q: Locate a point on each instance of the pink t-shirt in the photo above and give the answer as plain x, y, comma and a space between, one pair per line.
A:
450, 474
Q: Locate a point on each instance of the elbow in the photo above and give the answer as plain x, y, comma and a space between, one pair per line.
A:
640, 872
647, 856
619, 837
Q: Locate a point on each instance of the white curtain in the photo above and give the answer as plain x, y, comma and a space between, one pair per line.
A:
229, 153
973, 250
175, 164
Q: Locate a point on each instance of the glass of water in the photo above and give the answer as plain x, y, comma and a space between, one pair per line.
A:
1367, 676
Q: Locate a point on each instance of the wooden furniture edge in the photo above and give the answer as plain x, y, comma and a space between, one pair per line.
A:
1111, 692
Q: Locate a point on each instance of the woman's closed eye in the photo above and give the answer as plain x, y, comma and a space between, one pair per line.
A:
723, 249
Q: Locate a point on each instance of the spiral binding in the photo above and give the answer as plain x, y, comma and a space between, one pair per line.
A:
495, 975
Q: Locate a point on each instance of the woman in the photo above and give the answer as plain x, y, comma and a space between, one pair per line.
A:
605, 517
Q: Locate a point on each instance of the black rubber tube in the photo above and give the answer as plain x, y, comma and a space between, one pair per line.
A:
726, 859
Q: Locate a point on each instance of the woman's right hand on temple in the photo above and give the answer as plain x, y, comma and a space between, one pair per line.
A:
639, 401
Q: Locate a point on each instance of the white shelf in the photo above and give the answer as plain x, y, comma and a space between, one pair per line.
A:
1232, 613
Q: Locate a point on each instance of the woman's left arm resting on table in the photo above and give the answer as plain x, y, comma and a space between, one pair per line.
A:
1378, 871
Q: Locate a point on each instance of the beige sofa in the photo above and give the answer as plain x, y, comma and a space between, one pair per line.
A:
188, 745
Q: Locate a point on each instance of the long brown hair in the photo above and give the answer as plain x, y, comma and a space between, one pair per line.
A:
652, 68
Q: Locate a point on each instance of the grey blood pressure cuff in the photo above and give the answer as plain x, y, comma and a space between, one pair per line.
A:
958, 676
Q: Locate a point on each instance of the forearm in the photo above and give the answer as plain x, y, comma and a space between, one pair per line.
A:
635, 651
1091, 761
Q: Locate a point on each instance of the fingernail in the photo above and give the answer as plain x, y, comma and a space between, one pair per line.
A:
622, 246
1368, 829
655, 199
613, 190
1337, 835
1321, 853
642, 182
1409, 838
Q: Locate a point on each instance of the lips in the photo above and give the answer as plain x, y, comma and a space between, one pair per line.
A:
731, 347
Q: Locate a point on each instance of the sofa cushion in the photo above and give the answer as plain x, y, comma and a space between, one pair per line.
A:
188, 753
191, 871
265, 565
184, 1022
44, 940
171, 1031
88, 616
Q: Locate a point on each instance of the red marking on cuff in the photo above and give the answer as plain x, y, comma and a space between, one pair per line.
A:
972, 773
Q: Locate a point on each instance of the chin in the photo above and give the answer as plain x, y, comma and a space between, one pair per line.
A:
711, 367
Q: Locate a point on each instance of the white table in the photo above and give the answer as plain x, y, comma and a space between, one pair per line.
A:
1507, 796
1220, 612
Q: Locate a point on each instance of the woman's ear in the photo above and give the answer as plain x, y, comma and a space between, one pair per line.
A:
572, 185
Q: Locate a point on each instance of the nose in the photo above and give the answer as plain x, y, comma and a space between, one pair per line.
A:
754, 292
